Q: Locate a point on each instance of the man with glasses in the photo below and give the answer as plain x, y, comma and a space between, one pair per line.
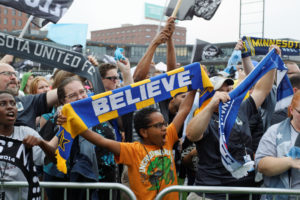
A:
30, 106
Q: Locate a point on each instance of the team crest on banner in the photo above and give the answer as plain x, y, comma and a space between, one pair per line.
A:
14, 152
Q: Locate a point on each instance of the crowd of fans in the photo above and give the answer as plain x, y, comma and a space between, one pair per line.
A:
149, 150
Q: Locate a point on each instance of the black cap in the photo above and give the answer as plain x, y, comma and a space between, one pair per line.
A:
77, 48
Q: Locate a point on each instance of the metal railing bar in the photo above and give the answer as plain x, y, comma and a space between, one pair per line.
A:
65, 194
71, 185
19, 193
43, 193
231, 190
110, 194
87, 193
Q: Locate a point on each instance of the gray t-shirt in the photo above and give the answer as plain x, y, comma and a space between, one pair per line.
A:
13, 173
267, 147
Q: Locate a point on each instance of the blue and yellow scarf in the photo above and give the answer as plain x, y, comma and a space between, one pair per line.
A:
91, 111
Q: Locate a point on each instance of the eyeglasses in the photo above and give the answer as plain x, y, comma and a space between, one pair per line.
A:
112, 78
158, 125
297, 111
74, 96
8, 73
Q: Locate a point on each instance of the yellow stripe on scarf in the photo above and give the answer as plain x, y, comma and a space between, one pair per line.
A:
74, 124
60, 162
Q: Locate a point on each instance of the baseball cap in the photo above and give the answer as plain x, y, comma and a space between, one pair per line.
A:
223, 73
218, 81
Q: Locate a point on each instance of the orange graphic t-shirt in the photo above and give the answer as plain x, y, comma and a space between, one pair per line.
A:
148, 177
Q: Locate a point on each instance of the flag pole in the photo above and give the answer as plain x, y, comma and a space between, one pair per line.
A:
175, 11
161, 17
26, 26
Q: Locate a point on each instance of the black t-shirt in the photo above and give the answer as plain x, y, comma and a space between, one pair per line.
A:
211, 171
29, 107
279, 116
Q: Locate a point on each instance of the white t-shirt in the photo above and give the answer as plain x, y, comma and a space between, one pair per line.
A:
13, 173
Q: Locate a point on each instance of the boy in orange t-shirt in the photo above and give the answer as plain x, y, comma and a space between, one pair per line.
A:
150, 163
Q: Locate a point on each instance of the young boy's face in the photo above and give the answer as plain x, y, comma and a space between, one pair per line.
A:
156, 130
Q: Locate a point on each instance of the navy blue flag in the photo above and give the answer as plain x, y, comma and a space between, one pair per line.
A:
228, 112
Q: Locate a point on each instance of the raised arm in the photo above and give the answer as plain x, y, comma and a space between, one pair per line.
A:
52, 98
199, 123
99, 140
124, 67
246, 61
143, 66
264, 85
93, 60
184, 110
7, 59
171, 54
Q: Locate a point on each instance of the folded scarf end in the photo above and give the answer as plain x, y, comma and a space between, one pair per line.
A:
61, 163
243, 170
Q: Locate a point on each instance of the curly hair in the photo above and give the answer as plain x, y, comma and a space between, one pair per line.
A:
142, 119
34, 84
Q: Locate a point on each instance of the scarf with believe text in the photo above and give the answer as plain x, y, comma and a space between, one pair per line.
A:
91, 111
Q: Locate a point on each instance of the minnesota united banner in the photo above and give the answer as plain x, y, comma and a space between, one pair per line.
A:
260, 46
14, 152
51, 56
109, 105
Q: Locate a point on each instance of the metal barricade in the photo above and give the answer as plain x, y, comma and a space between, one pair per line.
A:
73, 185
227, 191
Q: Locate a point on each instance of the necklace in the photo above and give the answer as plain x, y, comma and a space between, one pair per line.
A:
156, 174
